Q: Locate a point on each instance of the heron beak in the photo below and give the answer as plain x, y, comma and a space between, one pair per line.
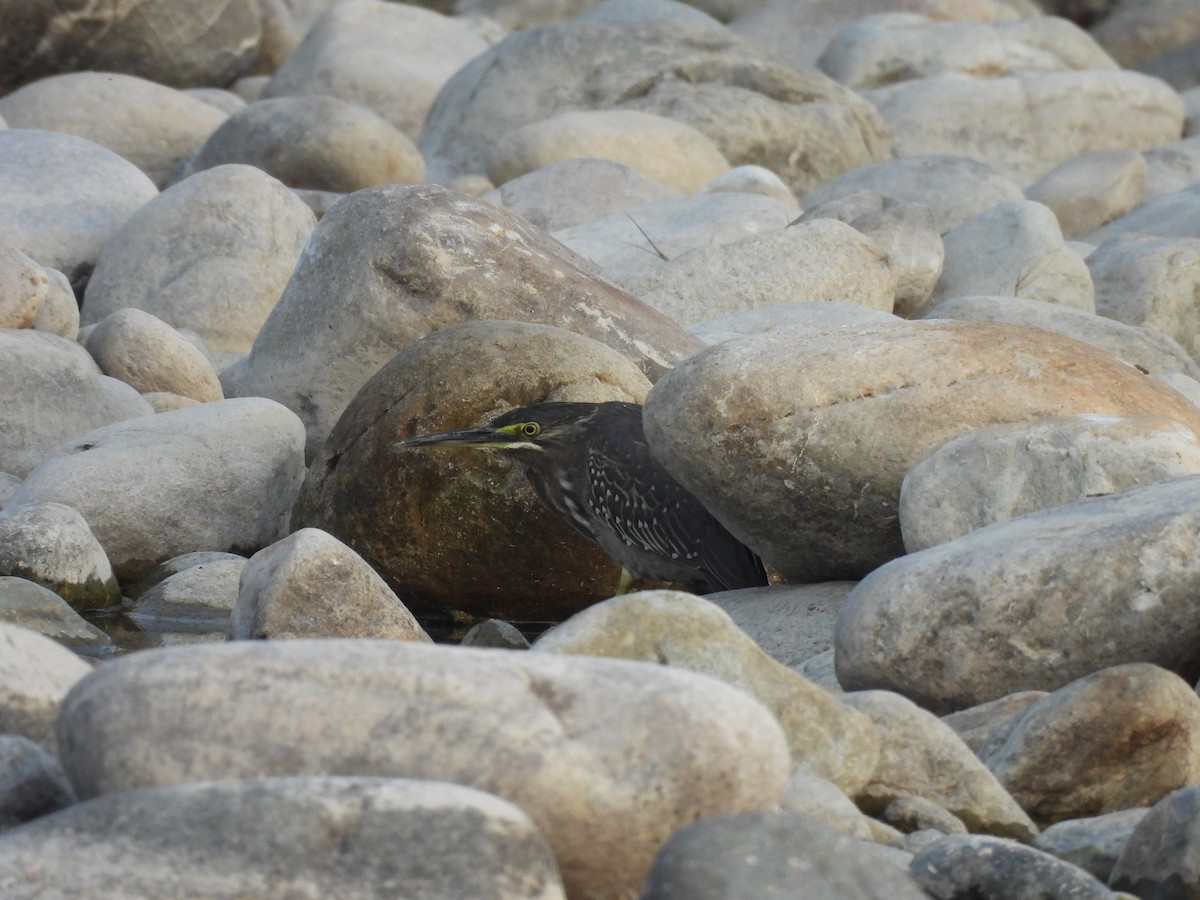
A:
479, 438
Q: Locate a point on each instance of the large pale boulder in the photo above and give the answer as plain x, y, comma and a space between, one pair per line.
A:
694, 71
51, 544
181, 43
218, 476
884, 49
149, 124
573, 191
1014, 248
1026, 124
1150, 350
461, 534
812, 260
405, 260
798, 441
923, 757
1004, 471
607, 757
36, 674
310, 584
1092, 189
149, 355
954, 188
35, 296
52, 391
1122, 737
772, 854
668, 151
674, 628
314, 142
1096, 583
1151, 281
63, 198
211, 254
638, 241
272, 837
392, 58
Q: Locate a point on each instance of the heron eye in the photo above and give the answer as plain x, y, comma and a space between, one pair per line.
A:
531, 429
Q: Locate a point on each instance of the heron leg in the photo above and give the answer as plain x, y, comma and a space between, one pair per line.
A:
625, 583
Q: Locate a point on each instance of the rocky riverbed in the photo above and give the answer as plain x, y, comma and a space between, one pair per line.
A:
909, 292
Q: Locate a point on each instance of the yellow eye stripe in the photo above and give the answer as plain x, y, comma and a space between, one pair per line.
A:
522, 429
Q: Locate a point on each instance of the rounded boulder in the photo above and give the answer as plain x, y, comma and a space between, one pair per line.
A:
798, 441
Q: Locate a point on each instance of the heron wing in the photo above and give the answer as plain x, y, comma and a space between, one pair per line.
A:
644, 506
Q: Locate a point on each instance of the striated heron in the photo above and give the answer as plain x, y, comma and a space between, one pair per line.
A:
590, 465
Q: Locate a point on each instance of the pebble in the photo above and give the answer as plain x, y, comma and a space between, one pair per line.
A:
54, 392
905, 233
151, 356
390, 58
949, 396
641, 239
922, 757
1090, 190
811, 260
37, 672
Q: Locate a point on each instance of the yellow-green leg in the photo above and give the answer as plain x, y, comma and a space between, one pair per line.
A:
625, 583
